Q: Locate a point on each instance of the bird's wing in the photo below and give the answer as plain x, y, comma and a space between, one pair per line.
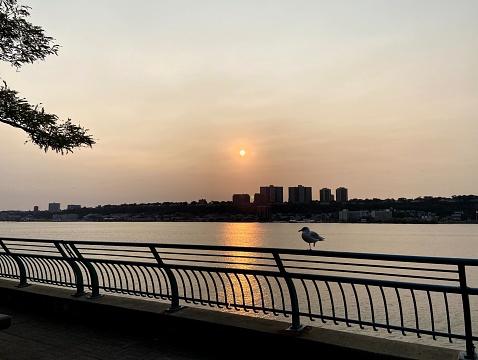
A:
316, 236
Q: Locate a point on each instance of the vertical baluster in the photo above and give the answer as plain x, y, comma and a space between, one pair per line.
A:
470, 348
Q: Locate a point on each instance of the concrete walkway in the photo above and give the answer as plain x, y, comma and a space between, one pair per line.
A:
48, 323
36, 336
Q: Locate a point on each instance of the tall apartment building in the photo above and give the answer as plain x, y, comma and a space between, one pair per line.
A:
341, 194
241, 199
300, 194
259, 199
272, 194
54, 207
243, 202
325, 195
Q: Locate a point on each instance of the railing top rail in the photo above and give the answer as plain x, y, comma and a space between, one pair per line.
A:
283, 251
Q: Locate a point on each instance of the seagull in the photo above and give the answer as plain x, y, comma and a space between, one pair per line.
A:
310, 236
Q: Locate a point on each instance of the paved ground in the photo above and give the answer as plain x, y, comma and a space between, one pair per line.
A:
37, 331
36, 336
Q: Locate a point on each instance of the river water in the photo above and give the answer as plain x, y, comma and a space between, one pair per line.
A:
448, 240
442, 240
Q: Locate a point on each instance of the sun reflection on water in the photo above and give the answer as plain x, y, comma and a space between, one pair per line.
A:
242, 234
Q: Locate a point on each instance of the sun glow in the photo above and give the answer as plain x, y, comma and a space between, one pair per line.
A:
242, 153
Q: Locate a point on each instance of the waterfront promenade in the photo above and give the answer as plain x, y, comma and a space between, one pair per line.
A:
33, 335
48, 323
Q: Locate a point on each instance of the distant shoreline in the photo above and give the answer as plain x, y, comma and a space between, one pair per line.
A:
250, 221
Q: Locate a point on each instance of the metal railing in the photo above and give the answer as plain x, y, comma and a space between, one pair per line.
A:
412, 294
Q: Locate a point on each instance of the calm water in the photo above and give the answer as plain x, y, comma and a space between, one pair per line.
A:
447, 240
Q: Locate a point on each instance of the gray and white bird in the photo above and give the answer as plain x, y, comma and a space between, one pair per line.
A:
310, 237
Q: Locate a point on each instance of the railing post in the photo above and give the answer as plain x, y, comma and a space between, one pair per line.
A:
172, 281
95, 285
296, 325
80, 288
21, 267
470, 348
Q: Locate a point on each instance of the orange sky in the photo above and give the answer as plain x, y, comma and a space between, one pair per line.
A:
376, 96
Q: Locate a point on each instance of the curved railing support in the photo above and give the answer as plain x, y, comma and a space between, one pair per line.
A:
21, 266
80, 287
95, 286
172, 281
294, 302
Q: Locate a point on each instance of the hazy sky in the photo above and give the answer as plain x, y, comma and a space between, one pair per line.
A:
380, 97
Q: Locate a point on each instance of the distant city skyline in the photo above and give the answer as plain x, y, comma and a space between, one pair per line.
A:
377, 95
235, 198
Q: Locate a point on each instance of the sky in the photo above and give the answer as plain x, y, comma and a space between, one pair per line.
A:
380, 97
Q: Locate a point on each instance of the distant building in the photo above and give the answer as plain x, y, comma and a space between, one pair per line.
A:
54, 207
65, 217
241, 199
73, 207
325, 195
35, 208
457, 215
243, 203
259, 199
352, 216
382, 215
272, 194
300, 194
341, 194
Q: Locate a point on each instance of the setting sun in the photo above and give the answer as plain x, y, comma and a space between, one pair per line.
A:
242, 153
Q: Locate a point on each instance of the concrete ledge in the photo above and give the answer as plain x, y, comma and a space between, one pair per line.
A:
256, 337
5, 321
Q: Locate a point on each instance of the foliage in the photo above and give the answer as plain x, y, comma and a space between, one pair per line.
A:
22, 43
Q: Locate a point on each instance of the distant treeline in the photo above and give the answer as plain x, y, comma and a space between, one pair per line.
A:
439, 206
